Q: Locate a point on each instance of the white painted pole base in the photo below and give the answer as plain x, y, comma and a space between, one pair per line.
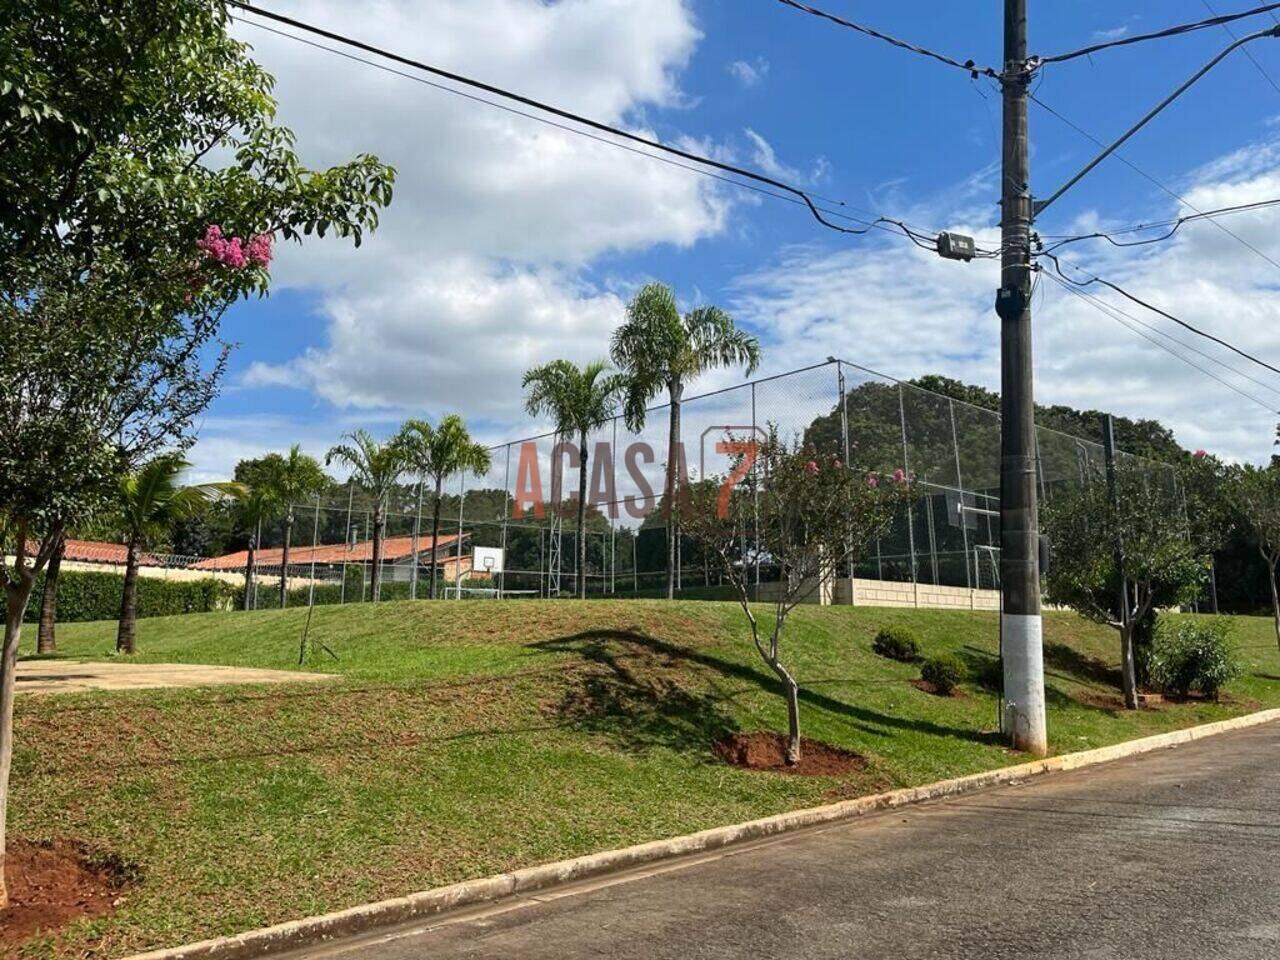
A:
1023, 651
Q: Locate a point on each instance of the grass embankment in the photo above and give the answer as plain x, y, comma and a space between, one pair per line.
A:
463, 739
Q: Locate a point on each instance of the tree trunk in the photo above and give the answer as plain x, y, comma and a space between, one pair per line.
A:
16, 597
126, 635
375, 580
1128, 665
284, 559
46, 642
435, 533
251, 575
582, 519
676, 391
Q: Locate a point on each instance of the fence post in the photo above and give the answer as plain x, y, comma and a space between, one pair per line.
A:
417, 530
1128, 665
755, 500
457, 549
911, 520
346, 543
506, 510
964, 526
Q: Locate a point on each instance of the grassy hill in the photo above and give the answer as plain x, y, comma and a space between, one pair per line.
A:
464, 738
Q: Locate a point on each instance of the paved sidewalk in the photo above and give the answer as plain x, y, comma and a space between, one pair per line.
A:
1172, 855
67, 676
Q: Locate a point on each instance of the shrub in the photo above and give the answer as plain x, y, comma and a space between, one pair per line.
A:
1194, 655
95, 595
896, 643
944, 673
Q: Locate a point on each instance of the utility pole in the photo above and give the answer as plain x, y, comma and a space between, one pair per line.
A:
1020, 626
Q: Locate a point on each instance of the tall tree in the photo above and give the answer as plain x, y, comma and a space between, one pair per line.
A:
376, 466
435, 453
150, 501
659, 349
140, 199
578, 401
1255, 493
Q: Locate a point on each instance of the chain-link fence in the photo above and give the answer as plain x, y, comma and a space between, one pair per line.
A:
515, 532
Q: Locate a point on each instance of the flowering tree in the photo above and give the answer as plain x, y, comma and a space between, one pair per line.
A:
113, 279
801, 511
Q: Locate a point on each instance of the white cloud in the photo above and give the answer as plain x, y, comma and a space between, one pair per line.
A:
749, 73
1115, 33
458, 335
473, 273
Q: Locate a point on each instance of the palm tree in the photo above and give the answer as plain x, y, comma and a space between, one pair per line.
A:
436, 453
149, 502
293, 478
376, 466
659, 349
256, 504
578, 400
46, 642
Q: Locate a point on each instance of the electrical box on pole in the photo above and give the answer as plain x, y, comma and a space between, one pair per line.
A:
956, 246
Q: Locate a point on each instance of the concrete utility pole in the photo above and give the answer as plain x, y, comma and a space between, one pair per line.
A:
1020, 627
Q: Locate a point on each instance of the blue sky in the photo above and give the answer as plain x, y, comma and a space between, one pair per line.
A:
510, 244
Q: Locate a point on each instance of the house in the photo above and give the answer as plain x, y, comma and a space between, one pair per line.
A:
102, 556
399, 556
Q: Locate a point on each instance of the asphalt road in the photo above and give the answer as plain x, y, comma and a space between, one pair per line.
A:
1171, 855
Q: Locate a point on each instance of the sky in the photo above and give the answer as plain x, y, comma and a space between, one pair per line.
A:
510, 243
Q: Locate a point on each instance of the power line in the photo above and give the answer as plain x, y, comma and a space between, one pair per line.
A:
1138, 170
1057, 263
1182, 343
1119, 316
802, 195
1247, 52
1177, 31
968, 67
921, 238
1174, 225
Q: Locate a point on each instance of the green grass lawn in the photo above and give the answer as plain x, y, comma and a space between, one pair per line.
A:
466, 738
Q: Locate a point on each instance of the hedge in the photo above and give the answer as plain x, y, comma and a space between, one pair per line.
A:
93, 595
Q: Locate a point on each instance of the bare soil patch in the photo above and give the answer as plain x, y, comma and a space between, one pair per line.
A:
52, 885
765, 750
955, 694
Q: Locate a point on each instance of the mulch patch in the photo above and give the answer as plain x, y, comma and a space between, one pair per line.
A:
956, 693
768, 751
52, 885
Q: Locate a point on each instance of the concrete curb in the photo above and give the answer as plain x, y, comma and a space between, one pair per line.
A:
362, 919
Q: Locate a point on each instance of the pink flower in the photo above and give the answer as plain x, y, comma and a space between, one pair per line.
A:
811, 468
259, 250
1200, 454
233, 254
873, 481
899, 475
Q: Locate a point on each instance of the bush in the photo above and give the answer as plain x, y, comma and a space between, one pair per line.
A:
944, 673
896, 643
95, 595
1194, 655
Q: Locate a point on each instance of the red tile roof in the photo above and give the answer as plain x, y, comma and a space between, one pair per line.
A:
393, 549
99, 551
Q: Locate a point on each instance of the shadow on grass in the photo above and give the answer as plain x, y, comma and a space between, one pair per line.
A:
1079, 667
984, 671
655, 706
